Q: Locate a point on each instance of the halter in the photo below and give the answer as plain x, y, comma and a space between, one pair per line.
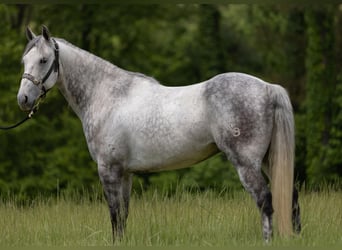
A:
54, 67
40, 83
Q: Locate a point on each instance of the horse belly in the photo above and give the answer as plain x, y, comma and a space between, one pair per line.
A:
153, 158
164, 144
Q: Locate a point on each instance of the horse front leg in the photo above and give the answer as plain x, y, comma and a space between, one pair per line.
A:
117, 188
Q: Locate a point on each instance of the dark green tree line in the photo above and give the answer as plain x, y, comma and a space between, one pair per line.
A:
320, 88
298, 47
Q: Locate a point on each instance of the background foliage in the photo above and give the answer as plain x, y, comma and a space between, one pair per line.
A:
298, 47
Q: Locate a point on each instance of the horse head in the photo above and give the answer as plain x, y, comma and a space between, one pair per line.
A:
41, 68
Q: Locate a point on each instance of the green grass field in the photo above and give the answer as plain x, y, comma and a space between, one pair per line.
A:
184, 219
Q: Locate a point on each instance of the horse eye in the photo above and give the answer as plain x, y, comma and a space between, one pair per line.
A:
43, 60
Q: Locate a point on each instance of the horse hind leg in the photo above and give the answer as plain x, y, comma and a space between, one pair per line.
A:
246, 155
296, 223
253, 181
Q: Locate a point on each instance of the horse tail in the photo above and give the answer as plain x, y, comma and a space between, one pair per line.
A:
281, 159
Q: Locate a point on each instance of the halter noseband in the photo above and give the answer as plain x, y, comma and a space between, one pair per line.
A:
54, 67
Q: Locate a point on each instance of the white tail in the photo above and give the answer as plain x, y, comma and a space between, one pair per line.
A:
281, 160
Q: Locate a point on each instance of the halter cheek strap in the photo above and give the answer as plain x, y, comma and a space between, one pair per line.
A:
54, 67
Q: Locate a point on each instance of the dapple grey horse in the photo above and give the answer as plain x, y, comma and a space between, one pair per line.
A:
132, 124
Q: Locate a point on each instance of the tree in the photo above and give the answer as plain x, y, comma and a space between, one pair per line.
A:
320, 89
208, 49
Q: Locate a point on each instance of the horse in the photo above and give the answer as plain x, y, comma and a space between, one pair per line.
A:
134, 124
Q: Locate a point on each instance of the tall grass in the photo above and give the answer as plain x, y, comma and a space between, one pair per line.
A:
157, 219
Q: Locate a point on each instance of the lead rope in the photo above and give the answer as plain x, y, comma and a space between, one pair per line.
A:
28, 117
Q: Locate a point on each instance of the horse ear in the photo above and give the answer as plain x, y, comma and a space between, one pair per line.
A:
29, 34
45, 33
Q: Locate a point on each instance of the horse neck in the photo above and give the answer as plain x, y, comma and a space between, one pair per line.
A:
83, 76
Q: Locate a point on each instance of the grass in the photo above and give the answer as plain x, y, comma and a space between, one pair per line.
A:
155, 219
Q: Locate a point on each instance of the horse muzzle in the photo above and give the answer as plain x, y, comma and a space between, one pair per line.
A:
25, 103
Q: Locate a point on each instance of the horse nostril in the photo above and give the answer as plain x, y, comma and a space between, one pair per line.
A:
24, 102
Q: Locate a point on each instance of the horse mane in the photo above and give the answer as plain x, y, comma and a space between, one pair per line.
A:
107, 66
